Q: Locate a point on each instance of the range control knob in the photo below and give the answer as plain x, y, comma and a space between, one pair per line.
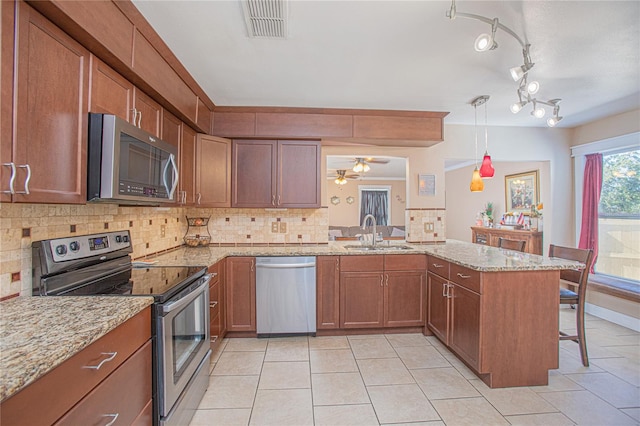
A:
74, 246
61, 250
118, 239
125, 238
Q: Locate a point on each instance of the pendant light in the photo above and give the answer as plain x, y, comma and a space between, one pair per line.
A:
486, 169
476, 181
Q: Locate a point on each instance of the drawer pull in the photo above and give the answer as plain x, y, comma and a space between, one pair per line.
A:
463, 276
214, 339
213, 304
112, 355
444, 290
115, 417
437, 265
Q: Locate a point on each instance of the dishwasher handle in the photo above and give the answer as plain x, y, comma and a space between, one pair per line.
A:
285, 265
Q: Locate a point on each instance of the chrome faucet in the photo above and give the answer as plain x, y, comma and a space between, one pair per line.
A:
364, 226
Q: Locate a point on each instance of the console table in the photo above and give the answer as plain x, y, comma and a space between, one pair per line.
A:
490, 236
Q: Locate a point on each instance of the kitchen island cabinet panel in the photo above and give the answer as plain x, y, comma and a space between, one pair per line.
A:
51, 112
328, 292
464, 337
241, 293
438, 306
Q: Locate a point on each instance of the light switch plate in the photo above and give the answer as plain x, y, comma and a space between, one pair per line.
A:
274, 227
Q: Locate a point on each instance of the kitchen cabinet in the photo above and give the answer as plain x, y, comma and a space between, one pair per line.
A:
216, 305
382, 291
50, 96
187, 182
88, 387
328, 292
267, 173
213, 171
171, 131
240, 274
502, 324
147, 112
490, 237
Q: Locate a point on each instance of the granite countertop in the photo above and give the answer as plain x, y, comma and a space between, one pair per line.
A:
474, 256
39, 333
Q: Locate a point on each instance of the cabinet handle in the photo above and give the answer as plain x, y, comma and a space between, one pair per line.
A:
213, 339
463, 276
386, 280
278, 199
437, 265
97, 367
199, 198
135, 115
213, 304
115, 417
139, 119
12, 179
381, 280
337, 264
273, 200
251, 265
449, 286
26, 181
444, 290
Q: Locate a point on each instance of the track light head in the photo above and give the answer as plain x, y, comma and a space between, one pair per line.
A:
518, 72
552, 121
485, 42
533, 87
515, 108
538, 112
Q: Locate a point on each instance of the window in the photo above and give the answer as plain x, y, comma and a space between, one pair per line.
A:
619, 216
374, 200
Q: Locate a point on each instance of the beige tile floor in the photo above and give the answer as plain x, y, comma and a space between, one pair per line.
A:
412, 379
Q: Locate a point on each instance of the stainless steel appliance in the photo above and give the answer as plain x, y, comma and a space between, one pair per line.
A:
285, 295
101, 264
128, 165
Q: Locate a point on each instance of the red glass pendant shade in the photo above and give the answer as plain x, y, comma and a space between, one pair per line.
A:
487, 170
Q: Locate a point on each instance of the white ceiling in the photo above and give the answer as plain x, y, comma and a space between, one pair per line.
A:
407, 55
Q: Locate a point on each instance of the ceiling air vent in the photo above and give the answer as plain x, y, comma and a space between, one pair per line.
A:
266, 18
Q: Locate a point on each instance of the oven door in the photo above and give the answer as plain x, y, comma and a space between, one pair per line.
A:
183, 340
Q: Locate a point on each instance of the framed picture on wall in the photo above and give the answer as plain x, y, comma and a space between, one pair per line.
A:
521, 191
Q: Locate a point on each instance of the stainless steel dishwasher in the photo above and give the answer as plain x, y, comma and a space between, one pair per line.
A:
285, 295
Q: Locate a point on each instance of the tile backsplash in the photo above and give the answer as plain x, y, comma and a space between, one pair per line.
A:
153, 229
156, 229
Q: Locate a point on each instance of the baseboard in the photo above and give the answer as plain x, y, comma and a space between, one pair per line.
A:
613, 316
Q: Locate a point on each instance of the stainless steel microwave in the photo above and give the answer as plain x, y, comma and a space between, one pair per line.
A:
127, 165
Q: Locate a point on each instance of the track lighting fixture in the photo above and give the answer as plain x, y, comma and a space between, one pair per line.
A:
520, 73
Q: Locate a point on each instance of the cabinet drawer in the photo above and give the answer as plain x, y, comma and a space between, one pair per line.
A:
361, 263
438, 266
109, 399
405, 262
466, 277
70, 381
215, 271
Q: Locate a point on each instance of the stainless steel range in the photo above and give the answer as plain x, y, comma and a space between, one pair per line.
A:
101, 264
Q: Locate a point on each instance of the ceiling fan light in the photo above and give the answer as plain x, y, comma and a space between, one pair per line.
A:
486, 169
533, 87
365, 167
484, 42
358, 167
476, 182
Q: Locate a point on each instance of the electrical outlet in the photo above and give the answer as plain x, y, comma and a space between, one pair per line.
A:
283, 227
274, 227
428, 227
163, 231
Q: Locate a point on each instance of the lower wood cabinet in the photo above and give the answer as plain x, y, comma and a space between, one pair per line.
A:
217, 320
240, 274
72, 394
327, 292
382, 291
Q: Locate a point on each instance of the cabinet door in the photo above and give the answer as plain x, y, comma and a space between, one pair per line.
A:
437, 306
404, 298
464, 333
328, 292
361, 299
213, 171
241, 294
7, 36
187, 184
171, 131
52, 73
253, 173
298, 174
111, 93
148, 111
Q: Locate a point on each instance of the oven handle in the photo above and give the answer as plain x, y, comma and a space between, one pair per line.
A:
190, 297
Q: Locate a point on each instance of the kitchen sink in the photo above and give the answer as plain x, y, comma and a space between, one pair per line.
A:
378, 248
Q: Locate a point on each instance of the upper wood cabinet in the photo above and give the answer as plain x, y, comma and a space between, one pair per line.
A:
110, 92
51, 113
213, 171
171, 131
187, 181
148, 113
276, 174
7, 37
203, 117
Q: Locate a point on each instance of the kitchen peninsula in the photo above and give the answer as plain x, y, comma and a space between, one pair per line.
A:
496, 309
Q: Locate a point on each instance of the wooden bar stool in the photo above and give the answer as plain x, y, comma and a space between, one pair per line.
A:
516, 245
577, 278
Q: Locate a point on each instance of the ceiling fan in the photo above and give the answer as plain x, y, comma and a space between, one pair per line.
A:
342, 176
362, 163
